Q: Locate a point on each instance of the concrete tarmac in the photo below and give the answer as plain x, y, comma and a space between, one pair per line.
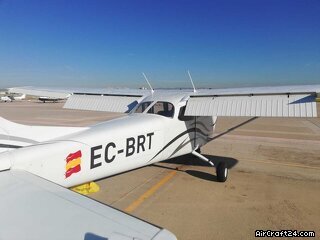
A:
274, 178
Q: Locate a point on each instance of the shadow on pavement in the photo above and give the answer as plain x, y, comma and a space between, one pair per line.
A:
190, 160
203, 175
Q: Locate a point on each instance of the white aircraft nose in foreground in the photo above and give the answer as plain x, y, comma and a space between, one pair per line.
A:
160, 125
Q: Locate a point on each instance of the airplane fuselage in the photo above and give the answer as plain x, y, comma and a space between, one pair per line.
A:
113, 147
6, 99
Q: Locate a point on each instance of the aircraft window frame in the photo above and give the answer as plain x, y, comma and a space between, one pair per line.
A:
149, 103
182, 117
172, 111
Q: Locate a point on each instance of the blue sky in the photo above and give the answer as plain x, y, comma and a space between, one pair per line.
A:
109, 43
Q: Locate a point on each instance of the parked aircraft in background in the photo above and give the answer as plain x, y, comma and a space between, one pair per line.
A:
160, 125
6, 99
44, 96
11, 98
19, 98
49, 99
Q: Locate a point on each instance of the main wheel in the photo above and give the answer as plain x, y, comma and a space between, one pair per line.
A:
222, 172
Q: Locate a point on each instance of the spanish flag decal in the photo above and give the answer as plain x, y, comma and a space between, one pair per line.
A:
73, 163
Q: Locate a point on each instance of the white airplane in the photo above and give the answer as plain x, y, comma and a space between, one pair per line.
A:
6, 99
49, 99
38, 161
48, 96
11, 98
19, 98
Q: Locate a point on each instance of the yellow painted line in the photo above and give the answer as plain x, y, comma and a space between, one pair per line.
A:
283, 164
150, 192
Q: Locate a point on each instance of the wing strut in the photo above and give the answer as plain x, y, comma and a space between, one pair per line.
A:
221, 169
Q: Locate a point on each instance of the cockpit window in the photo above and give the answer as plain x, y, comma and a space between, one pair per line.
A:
165, 109
142, 107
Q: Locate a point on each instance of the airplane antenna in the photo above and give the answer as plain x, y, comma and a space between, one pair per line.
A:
194, 88
145, 77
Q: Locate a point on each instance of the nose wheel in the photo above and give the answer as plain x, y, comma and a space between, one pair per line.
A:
222, 172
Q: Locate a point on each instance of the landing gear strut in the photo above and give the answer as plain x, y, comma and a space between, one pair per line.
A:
221, 169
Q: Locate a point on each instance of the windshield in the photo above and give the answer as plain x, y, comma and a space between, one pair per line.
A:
142, 107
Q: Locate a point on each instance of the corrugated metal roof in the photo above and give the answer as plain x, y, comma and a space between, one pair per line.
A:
301, 105
101, 103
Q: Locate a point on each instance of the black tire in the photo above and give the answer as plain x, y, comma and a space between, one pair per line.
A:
222, 172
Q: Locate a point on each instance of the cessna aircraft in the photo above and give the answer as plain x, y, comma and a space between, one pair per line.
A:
38, 161
6, 99
19, 98
11, 98
49, 99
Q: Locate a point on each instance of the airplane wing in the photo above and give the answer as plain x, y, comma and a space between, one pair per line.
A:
284, 101
279, 101
34, 208
109, 99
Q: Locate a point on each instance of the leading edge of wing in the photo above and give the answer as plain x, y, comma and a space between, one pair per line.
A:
143, 92
292, 89
34, 208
